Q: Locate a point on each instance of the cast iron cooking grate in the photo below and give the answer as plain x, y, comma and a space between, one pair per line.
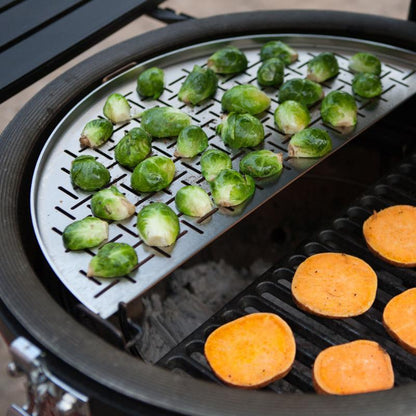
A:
271, 293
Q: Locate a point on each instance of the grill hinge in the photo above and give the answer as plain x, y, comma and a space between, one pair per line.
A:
46, 394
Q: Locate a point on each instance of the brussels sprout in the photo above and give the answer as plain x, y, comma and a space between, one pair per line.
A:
291, 117
164, 121
245, 99
199, 85
193, 201
117, 108
153, 174
241, 130
231, 188
323, 67
367, 85
158, 225
113, 260
261, 164
88, 174
213, 161
191, 141
339, 109
150, 83
311, 142
111, 204
95, 133
303, 90
278, 49
365, 62
271, 73
229, 60
86, 233
133, 147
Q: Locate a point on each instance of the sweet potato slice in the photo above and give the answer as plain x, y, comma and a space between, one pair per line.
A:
391, 235
399, 319
357, 367
251, 351
334, 285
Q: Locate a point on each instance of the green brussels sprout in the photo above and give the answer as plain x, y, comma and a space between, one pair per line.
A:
111, 204
133, 147
229, 60
323, 67
261, 164
199, 85
95, 133
164, 121
191, 141
291, 117
213, 161
113, 260
339, 109
193, 201
150, 83
271, 73
367, 85
311, 142
241, 130
231, 188
365, 62
86, 233
278, 49
153, 174
117, 108
158, 225
303, 90
245, 99
88, 174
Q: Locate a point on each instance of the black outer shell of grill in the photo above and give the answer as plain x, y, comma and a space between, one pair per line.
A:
107, 375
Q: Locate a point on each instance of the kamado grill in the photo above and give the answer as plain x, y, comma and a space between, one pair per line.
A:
89, 342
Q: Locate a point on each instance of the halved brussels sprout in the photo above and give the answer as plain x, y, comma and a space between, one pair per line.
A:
153, 174
339, 109
89, 174
150, 83
111, 204
303, 90
278, 49
229, 60
117, 108
231, 188
291, 117
86, 233
271, 73
134, 147
311, 142
95, 133
367, 85
113, 260
192, 200
191, 141
158, 225
213, 161
322, 67
245, 99
241, 130
261, 164
365, 62
164, 121
199, 85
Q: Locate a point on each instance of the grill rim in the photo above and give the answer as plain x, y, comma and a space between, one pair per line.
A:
22, 293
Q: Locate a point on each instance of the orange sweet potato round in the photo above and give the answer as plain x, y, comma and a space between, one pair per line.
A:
357, 367
391, 235
251, 351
